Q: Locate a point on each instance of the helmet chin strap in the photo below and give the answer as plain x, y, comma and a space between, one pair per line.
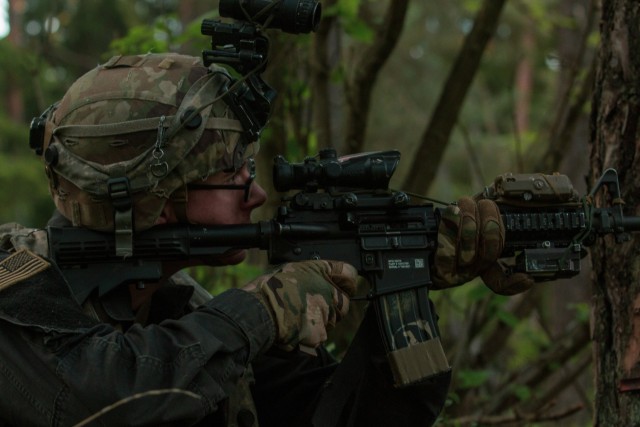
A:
120, 195
179, 202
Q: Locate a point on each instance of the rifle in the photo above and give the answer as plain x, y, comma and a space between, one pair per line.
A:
345, 211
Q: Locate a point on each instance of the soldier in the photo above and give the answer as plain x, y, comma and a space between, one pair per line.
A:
145, 141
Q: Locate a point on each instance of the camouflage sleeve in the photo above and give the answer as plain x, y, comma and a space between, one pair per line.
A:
305, 299
252, 318
73, 366
206, 352
471, 238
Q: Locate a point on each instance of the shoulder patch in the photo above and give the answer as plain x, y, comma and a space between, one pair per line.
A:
20, 266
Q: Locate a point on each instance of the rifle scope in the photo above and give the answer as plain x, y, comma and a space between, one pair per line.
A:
290, 16
327, 171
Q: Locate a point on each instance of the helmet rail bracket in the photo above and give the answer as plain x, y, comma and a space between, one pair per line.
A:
119, 192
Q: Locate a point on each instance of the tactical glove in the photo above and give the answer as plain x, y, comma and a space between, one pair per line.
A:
470, 240
305, 299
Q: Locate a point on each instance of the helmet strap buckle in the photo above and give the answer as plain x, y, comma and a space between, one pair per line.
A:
119, 192
160, 168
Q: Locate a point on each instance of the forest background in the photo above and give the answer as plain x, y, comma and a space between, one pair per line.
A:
466, 90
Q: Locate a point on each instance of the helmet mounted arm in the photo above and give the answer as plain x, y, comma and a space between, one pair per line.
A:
245, 49
244, 46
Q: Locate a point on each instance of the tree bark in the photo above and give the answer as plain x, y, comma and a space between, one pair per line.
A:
320, 66
524, 79
574, 90
615, 144
188, 11
434, 140
360, 83
14, 98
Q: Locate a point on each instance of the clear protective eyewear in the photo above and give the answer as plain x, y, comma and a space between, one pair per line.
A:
250, 164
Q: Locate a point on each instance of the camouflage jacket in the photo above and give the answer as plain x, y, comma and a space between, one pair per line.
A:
66, 362
63, 362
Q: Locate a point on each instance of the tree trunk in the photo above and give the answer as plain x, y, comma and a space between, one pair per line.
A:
524, 80
320, 79
14, 98
189, 11
615, 144
575, 87
359, 84
434, 140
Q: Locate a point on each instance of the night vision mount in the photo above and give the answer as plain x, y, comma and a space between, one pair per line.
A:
243, 46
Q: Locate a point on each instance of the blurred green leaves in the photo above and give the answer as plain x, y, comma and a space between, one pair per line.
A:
24, 197
470, 378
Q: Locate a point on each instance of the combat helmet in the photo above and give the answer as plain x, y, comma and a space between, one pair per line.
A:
131, 133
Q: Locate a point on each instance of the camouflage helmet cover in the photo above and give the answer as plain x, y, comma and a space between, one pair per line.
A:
157, 120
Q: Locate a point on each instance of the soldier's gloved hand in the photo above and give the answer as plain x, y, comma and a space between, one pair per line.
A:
470, 240
305, 299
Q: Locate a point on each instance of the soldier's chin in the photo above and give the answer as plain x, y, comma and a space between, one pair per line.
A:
230, 258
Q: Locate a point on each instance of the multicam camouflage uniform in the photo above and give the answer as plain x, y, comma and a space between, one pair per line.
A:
186, 296
288, 382
145, 126
158, 122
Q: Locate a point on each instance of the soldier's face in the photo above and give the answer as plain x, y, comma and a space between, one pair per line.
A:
220, 206
224, 206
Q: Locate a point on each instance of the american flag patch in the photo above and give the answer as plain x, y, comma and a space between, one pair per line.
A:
20, 266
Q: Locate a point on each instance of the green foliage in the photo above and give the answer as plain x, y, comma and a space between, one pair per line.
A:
527, 343
475, 291
472, 378
352, 23
582, 311
25, 198
407, 89
191, 35
507, 317
164, 35
13, 138
523, 392
145, 38
218, 279
9, 59
98, 21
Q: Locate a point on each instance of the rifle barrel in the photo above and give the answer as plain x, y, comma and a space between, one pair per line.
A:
631, 223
